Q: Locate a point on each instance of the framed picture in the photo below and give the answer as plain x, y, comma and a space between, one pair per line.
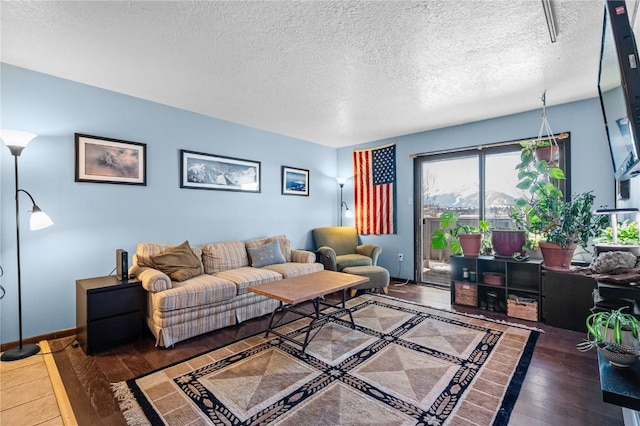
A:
295, 181
105, 160
207, 171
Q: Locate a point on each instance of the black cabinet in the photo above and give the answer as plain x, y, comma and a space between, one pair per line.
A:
488, 282
108, 312
567, 299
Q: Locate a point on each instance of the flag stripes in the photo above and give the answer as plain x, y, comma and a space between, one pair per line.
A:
374, 173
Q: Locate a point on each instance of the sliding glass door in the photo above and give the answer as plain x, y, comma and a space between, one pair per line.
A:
479, 183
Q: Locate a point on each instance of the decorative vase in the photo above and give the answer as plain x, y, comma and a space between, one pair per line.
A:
555, 257
470, 244
507, 242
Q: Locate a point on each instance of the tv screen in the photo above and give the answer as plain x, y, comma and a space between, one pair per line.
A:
619, 88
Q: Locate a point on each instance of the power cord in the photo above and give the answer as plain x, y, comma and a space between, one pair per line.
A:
400, 276
73, 343
2, 288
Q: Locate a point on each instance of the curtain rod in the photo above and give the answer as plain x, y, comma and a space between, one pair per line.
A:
559, 136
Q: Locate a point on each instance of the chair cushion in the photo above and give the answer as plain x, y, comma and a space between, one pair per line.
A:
347, 260
268, 254
179, 262
342, 239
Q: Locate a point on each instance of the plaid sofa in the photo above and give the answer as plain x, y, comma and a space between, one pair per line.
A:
218, 298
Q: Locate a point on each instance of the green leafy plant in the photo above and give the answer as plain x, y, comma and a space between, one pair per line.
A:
608, 326
627, 234
543, 213
451, 229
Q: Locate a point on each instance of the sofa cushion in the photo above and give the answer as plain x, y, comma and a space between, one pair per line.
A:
268, 254
202, 290
248, 276
285, 244
179, 262
219, 257
144, 251
292, 269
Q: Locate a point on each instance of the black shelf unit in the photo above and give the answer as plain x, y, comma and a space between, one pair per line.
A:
521, 278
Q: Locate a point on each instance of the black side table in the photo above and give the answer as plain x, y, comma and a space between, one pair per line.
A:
109, 312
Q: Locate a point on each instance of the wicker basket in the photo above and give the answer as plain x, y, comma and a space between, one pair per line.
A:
523, 309
466, 294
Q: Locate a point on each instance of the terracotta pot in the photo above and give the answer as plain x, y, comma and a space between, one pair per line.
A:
470, 244
547, 153
555, 257
507, 242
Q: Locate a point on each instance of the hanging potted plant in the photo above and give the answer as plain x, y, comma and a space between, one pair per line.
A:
467, 240
555, 225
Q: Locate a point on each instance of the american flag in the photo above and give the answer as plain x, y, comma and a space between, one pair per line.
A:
374, 173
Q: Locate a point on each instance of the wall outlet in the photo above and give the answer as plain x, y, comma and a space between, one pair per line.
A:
400, 257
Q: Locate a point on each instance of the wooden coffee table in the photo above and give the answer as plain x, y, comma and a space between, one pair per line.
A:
293, 292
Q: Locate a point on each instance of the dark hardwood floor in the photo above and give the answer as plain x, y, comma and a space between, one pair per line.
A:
562, 385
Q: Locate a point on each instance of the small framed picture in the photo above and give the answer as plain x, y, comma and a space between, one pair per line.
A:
105, 160
207, 171
295, 181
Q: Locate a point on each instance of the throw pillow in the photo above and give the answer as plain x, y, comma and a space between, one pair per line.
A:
268, 254
179, 262
610, 260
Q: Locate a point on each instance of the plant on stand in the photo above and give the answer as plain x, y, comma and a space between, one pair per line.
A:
615, 334
555, 225
467, 240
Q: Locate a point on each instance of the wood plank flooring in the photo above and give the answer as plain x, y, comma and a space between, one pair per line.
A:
562, 385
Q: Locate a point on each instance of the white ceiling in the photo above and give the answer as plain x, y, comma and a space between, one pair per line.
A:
331, 72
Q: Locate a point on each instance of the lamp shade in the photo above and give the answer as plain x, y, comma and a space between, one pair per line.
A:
16, 138
348, 213
39, 219
341, 180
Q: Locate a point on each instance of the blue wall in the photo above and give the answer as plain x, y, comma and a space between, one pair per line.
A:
92, 220
591, 166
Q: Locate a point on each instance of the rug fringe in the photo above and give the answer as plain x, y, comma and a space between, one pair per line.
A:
133, 414
482, 317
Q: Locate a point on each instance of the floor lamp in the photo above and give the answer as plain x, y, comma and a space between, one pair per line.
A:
347, 213
16, 141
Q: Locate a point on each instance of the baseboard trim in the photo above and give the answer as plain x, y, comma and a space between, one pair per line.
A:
36, 339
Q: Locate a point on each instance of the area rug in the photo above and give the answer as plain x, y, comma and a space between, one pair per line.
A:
403, 364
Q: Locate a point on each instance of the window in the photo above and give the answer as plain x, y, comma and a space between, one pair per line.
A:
479, 183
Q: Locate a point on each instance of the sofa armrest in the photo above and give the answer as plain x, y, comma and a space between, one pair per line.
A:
370, 250
153, 280
328, 258
302, 256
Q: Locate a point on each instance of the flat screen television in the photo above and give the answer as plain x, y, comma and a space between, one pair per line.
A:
619, 88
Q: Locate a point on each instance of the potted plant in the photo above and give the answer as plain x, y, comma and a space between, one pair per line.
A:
627, 238
555, 225
467, 240
615, 334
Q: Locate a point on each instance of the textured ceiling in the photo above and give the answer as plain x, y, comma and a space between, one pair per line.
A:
334, 73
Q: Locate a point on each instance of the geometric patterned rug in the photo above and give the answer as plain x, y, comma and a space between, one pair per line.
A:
404, 364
